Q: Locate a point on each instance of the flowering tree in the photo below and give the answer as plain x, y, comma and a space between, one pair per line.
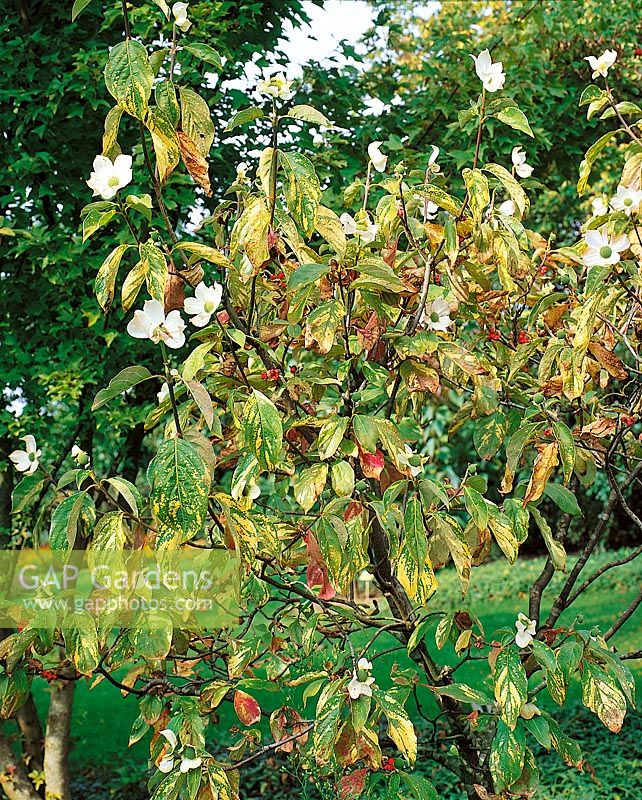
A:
294, 422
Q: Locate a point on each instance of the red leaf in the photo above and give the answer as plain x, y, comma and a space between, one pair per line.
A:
352, 785
371, 463
247, 709
317, 572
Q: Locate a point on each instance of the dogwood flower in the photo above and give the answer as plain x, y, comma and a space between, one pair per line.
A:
163, 394
377, 158
433, 166
241, 172
79, 456
363, 229
436, 316
599, 207
409, 459
167, 761
491, 75
507, 208
526, 629
626, 199
190, 763
275, 86
110, 176
600, 249
151, 323
523, 169
26, 460
602, 64
360, 685
205, 302
430, 210
179, 10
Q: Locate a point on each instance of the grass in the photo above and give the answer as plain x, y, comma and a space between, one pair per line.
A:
102, 720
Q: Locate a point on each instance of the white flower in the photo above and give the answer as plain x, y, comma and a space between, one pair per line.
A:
241, 171
407, 458
491, 75
626, 199
201, 307
432, 161
363, 229
357, 688
108, 177
275, 86
179, 10
600, 249
526, 629
523, 169
378, 159
163, 394
169, 734
436, 316
430, 210
601, 65
151, 323
166, 763
190, 763
507, 208
363, 663
26, 460
599, 207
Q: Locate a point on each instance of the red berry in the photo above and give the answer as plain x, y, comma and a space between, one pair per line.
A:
638, 51
543, 270
293, 370
273, 374
627, 420
388, 765
523, 337
264, 376
493, 335
548, 432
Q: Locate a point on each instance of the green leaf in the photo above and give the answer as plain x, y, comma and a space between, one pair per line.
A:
507, 754
420, 788
329, 226
512, 186
128, 492
78, 7
502, 528
601, 694
489, 434
250, 233
165, 141
165, 94
263, 430
105, 283
26, 492
515, 117
155, 268
400, 728
589, 159
126, 378
440, 197
476, 507
563, 498
538, 727
342, 475
95, 216
129, 78
66, 517
555, 548
331, 435
180, 482
415, 531
510, 685
322, 324
205, 53
566, 448
200, 250
196, 120
110, 135
309, 114
464, 693
308, 485
307, 274
243, 117
568, 749
302, 189
478, 191
81, 641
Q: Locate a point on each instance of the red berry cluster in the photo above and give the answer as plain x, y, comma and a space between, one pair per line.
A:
49, 675
388, 764
271, 375
627, 420
494, 335
523, 337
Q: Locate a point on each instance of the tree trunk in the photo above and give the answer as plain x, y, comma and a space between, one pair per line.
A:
56, 761
32, 737
13, 778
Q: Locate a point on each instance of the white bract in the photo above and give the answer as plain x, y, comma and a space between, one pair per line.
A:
167, 761
377, 158
361, 685
433, 166
626, 199
523, 169
110, 176
599, 207
179, 10
163, 394
602, 249
436, 315
602, 64
363, 663
205, 302
151, 323
507, 208
430, 210
489, 73
276, 86
526, 629
26, 460
241, 172
409, 459
363, 229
